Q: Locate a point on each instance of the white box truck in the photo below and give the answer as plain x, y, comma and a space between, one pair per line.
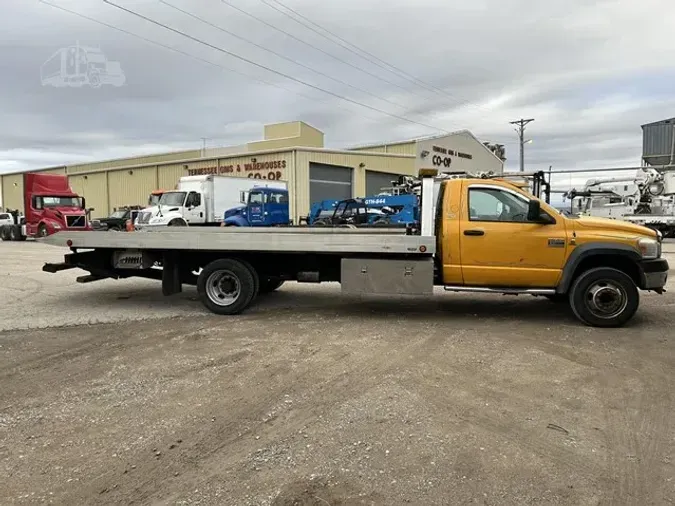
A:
200, 201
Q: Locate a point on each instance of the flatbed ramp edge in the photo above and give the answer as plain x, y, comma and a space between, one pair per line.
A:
380, 241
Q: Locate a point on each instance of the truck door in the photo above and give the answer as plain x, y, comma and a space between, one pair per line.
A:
194, 208
255, 211
277, 208
499, 247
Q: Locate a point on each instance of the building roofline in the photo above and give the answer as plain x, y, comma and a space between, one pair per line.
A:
664, 121
207, 158
406, 141
427, 138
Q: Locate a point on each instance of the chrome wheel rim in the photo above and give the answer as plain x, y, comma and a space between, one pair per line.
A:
606, 299
223, 288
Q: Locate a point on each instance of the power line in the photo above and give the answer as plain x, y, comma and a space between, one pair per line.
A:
213, 25
287, 34
262, 81
282, 74
371, 57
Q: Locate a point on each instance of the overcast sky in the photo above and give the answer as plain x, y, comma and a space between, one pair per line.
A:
590, 73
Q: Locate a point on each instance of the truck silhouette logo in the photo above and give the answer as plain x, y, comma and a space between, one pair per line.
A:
77, 66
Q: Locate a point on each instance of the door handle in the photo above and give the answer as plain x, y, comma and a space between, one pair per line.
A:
474, 232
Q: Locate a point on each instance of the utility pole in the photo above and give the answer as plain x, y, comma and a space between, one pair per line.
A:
521, 135
204, 139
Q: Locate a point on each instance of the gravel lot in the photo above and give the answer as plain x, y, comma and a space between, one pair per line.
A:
112, 394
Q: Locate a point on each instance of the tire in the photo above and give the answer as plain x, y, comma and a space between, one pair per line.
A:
270, 284
42, 230
604, 297
114, 228
232, 297
177, 223
15, 233
4, 232
94, 80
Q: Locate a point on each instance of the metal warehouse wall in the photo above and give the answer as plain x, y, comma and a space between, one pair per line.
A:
131, 186
94, 188
395, 165
12, 191
141, 160
107, 188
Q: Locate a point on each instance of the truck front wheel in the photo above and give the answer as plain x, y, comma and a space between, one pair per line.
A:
226, 286
4, 232
42, 230
177, 223
604, 297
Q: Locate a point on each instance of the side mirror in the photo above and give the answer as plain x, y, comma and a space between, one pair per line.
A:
534, 211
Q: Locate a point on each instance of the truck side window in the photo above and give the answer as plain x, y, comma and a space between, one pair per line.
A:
489, 204
256, 198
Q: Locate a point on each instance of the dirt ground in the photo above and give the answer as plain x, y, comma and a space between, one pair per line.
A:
312, 399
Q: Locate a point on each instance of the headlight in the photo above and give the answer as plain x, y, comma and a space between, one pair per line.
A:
649, 248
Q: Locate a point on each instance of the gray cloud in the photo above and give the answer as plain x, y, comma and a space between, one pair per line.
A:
577, 67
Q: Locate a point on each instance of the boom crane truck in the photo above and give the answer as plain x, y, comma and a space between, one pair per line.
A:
476, 235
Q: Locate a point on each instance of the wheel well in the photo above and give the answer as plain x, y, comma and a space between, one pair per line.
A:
618, 262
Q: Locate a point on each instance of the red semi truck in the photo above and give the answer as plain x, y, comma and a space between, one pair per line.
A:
50, 205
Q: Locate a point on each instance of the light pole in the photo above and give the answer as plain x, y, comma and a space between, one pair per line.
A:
521, 136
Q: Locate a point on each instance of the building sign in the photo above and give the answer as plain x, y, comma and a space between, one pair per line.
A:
254, 169
441, 157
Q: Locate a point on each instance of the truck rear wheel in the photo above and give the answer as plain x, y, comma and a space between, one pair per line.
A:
4, 232
15, 233
604, 297
226, 286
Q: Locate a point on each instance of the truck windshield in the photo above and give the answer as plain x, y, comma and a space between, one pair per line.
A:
61, 202
154, 200
172, 199
118, 214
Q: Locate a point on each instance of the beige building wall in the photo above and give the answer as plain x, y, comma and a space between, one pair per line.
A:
359, 162
131, 186
12, 191
138, 160
94, 188
463, 152
286, 135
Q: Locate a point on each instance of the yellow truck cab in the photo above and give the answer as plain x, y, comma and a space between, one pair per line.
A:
494, 234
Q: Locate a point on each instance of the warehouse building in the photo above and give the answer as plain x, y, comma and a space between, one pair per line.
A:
293, 152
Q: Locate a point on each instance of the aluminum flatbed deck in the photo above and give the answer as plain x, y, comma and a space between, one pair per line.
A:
273, 239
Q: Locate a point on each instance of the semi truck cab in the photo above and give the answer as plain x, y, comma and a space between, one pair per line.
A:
50, 205
263, 207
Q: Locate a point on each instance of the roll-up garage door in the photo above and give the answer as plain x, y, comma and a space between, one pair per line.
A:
329, 182
375, 181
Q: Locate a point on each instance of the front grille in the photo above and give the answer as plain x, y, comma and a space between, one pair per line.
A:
74, 221
144, 217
